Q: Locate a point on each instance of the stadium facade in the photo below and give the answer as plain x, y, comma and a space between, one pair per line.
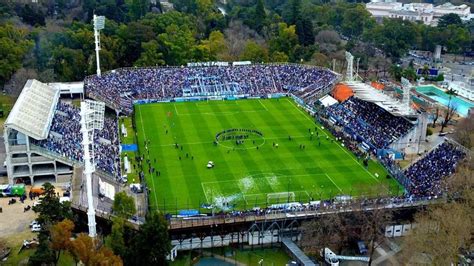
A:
28, 122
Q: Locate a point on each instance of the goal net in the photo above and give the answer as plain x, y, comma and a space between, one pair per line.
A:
280, 197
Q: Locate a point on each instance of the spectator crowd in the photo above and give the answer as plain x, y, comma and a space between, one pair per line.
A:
376, 126
119, 88
426, 174
65, 139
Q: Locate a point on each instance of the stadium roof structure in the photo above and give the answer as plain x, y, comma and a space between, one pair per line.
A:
33, 111
69, 87
368, 93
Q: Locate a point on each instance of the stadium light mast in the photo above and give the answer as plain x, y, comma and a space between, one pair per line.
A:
99, 23
350, 68
406, 86
92, 118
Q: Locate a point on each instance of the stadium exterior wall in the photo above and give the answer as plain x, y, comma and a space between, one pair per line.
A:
410, 142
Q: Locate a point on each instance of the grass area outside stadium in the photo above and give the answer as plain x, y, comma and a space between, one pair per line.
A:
264, 152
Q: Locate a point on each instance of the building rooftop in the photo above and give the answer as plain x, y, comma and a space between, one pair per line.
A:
33, 111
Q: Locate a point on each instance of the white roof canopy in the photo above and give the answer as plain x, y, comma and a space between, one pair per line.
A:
369, 94
33, 111
328, 101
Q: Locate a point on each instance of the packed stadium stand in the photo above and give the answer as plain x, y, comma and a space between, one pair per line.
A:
372, 124
120, 88
426, 174
43, 138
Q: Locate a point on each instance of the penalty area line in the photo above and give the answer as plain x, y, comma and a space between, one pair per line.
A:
333, 182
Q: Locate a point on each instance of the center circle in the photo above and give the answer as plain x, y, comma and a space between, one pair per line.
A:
240, 138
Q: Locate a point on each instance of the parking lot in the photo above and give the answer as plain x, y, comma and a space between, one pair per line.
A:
14, 222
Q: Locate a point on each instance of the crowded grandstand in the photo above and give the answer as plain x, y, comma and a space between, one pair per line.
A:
121, 89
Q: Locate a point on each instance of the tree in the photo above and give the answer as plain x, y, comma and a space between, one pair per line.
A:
178, 44
14, 45
43, 255
124, 205
50, 209
356, 20
465, 132
32, 15
439, 235
396, 72
373, 227
254, 52
455, 38
18, 80
90, 253
152, 244
259, 16
61, 234
436, 116
449, 19
150, 55
279, 57
236, 37
115, 241
215, 46
331, 231
304, 29
450, 111
69, 64
131, 37
137, 8
284, 40
395, 37
292, 12
320, 59
409, 73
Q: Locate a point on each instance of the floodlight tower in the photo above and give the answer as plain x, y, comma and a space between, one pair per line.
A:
406, 86
99, 23
350, 69
92, 118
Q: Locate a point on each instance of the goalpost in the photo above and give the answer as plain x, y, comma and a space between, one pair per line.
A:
279, 197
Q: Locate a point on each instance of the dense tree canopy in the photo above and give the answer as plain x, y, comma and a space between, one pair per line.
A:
14, 45
139, 33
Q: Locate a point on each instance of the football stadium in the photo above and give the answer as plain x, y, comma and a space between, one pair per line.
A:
227, 137
263, 151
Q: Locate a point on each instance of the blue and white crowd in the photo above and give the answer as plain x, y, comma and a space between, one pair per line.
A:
65, 139
120, 88
426, 175
373, 124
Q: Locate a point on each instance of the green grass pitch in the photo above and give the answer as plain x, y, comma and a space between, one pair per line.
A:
265, 168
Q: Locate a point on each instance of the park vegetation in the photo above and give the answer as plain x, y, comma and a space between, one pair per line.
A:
53, 40
124, 245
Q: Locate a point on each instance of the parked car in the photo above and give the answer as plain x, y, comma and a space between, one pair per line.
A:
36, 228
34, 222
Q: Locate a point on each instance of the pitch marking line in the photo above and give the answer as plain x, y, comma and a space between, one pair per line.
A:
337, 143
211, 142
204, 191
264, 107
176, 109
333, 182
144, 136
